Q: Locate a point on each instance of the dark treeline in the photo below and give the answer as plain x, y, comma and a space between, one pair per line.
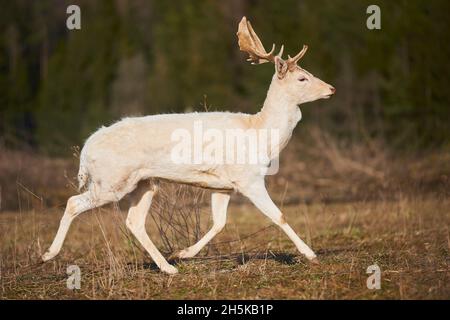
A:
144, 57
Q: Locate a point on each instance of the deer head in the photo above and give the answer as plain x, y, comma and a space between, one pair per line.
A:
297, 84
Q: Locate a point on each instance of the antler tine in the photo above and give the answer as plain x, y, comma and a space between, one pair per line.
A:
280, 53
271, 50
262, 55
254, 36
299, 55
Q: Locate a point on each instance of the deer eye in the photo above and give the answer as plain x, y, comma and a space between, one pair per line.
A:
302, 79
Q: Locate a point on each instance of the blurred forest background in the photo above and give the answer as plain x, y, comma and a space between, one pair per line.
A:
147, 56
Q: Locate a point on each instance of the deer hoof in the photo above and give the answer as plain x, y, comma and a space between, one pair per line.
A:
169, 269
48, 256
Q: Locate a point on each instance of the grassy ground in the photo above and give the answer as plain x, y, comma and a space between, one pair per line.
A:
407, 237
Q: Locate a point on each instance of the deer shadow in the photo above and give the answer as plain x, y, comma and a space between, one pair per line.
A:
244, 258
280, 257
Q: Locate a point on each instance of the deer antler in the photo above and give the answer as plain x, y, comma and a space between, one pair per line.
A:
250, 43
292, 62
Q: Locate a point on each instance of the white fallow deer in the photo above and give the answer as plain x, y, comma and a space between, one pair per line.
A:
114, 159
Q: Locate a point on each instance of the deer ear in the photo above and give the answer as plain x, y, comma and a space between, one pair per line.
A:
281, 67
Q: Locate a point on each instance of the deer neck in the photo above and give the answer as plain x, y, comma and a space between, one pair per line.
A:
280, 113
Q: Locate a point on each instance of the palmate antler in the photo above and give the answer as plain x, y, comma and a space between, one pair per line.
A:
249, 42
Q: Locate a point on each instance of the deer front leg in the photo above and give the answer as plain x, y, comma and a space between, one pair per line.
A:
219, 204
257, 193
75, 205
136, 223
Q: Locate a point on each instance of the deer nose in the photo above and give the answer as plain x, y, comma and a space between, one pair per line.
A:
333, 90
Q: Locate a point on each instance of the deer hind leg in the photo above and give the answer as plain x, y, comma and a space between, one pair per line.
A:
219, 204
257, 193
75, 205
136, 223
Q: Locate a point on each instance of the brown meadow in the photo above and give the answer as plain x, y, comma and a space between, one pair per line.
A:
395, 215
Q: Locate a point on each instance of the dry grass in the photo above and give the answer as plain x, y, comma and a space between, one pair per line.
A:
356, 205
408, 238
